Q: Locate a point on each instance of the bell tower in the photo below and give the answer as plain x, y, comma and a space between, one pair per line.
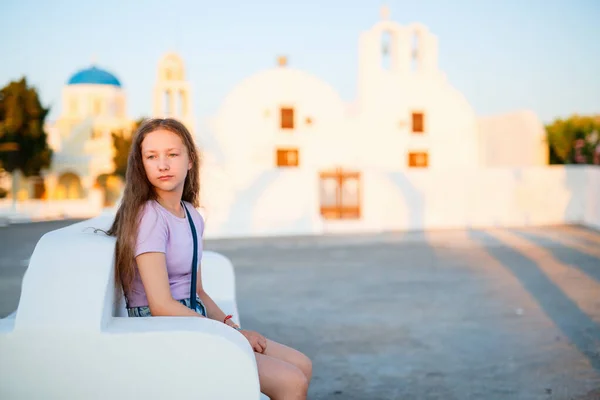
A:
392, 51
172, 98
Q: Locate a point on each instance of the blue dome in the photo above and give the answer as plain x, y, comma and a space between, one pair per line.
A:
94, 76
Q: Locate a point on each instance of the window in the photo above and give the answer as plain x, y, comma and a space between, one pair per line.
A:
418, 159
418, 123
414, 53
183, 103
73, 106
386, 49
287, 118
340, 194
287, 157
167, 104
120, 111
97, 107
178, 104
39, 189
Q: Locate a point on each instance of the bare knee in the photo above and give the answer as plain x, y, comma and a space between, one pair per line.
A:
293, 386
305, 365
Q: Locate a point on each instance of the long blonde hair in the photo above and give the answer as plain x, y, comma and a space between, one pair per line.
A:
138, 190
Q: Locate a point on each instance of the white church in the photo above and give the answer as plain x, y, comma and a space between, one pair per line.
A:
291, 157
286, 155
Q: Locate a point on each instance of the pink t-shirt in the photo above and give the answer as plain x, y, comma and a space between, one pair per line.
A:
161, 231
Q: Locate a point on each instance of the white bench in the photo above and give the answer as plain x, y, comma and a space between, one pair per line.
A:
70, 337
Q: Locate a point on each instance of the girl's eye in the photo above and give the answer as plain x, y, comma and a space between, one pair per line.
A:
173, 155
150, 157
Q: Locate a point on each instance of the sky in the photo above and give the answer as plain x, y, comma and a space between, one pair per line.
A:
540, 55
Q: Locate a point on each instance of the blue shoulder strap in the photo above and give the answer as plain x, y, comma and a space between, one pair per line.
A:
194, 261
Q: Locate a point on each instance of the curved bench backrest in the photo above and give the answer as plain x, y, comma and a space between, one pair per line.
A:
69, 281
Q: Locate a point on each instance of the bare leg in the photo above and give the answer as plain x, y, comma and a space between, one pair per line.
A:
280, 380
291, 356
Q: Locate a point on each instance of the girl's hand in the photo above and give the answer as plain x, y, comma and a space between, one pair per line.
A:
257, 341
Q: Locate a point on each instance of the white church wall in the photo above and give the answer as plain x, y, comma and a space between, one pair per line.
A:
83, 100
101, 160
83, 153
53, 136
247, 127
287, 202
274, 202
450, 134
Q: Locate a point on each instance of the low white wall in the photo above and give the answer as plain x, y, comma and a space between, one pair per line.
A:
286, 201
591, 213
37, 210
482, 198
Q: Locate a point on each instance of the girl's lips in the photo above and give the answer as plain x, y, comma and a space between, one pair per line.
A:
165, 177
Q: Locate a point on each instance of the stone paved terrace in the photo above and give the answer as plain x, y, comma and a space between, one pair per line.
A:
482, 314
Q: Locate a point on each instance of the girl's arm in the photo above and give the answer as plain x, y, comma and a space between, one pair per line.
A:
257, 341
153, 271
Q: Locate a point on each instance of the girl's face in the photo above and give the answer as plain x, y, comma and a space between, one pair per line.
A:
166, 160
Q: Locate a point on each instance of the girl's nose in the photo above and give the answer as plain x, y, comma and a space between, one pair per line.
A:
163, 164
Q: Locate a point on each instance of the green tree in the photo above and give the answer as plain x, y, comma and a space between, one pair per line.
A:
23, 141
574, 140
122, 143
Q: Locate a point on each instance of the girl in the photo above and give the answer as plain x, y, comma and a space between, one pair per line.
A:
153, 255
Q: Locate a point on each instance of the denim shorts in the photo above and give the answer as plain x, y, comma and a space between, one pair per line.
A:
144, 311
